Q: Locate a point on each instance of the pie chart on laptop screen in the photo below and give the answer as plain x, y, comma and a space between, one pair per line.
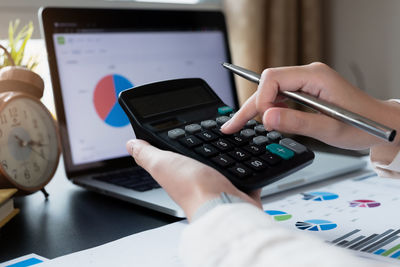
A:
105, 99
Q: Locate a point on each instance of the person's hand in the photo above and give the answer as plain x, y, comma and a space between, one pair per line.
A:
189, 182
318, 80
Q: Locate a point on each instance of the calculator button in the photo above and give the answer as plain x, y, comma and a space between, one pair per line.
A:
281, 151
224, 110
223, 160
219, 133
293, 145
222, 119
251, 123
271, 159
238, 140
232, 114
247, 133
223, 145
190, 141
207, 150
260, 140
192, 128
239, 154
240, 171
207, 136
208, 124
256, 164
254, 149
176, 133
274, 136
260, 129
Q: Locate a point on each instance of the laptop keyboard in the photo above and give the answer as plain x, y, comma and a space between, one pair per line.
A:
136, 179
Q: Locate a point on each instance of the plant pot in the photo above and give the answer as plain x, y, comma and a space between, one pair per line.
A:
20, 79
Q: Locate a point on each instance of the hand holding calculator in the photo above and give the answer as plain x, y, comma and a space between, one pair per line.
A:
185, 116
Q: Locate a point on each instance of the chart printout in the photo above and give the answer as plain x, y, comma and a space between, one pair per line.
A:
360, 215
328, 213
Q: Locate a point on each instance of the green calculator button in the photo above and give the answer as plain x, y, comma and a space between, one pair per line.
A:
224, 110
279, 150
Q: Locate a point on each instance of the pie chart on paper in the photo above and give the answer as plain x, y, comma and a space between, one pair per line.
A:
279, 215
316, 225
319, 196
105, 99
364, 203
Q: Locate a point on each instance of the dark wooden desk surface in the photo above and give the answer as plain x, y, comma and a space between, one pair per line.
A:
72, 219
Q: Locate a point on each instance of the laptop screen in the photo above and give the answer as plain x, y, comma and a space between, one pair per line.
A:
95, 66
96, 53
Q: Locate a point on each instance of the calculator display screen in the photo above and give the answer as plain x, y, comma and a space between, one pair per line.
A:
150, 105
168, 124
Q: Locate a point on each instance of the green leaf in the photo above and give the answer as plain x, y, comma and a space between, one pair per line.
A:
17, 41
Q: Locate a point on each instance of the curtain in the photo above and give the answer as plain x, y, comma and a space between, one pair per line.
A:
272, 33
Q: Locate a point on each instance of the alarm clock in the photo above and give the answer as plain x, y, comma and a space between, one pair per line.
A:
29, 140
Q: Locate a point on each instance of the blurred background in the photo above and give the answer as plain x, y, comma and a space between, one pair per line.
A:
358, 38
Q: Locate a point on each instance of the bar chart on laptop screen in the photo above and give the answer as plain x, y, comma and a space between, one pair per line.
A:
360, 215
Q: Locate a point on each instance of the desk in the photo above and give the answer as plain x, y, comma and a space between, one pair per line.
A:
72, 219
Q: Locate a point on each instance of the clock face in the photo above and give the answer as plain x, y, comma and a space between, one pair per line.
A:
29, 149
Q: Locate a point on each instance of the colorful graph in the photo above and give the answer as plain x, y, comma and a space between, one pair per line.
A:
316, 225
384, 244
393, 252
356, 214
319, 196
105, 99
364, 203
279, 215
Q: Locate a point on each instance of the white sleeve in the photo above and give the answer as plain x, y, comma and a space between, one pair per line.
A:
242, 235
392, 169
386, 159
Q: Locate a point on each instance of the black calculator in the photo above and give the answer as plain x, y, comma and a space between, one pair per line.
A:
185, 116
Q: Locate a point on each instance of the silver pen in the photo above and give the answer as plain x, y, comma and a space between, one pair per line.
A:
324, 107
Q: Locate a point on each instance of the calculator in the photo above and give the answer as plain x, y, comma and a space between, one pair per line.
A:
185, 116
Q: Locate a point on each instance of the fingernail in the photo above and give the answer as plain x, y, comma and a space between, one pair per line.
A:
273, 121
133, 146
276, 120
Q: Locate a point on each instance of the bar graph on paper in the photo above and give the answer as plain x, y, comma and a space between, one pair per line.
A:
374, 243
360, 215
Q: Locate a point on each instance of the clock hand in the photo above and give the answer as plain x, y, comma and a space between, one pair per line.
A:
37, 143
38, 153
21, 142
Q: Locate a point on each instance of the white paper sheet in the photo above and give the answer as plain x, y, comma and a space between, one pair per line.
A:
340, 205
27, 260
370, 206
157, 247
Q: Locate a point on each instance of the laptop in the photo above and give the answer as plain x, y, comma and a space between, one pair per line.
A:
96, 53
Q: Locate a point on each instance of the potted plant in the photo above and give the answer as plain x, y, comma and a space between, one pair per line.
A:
15, 75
